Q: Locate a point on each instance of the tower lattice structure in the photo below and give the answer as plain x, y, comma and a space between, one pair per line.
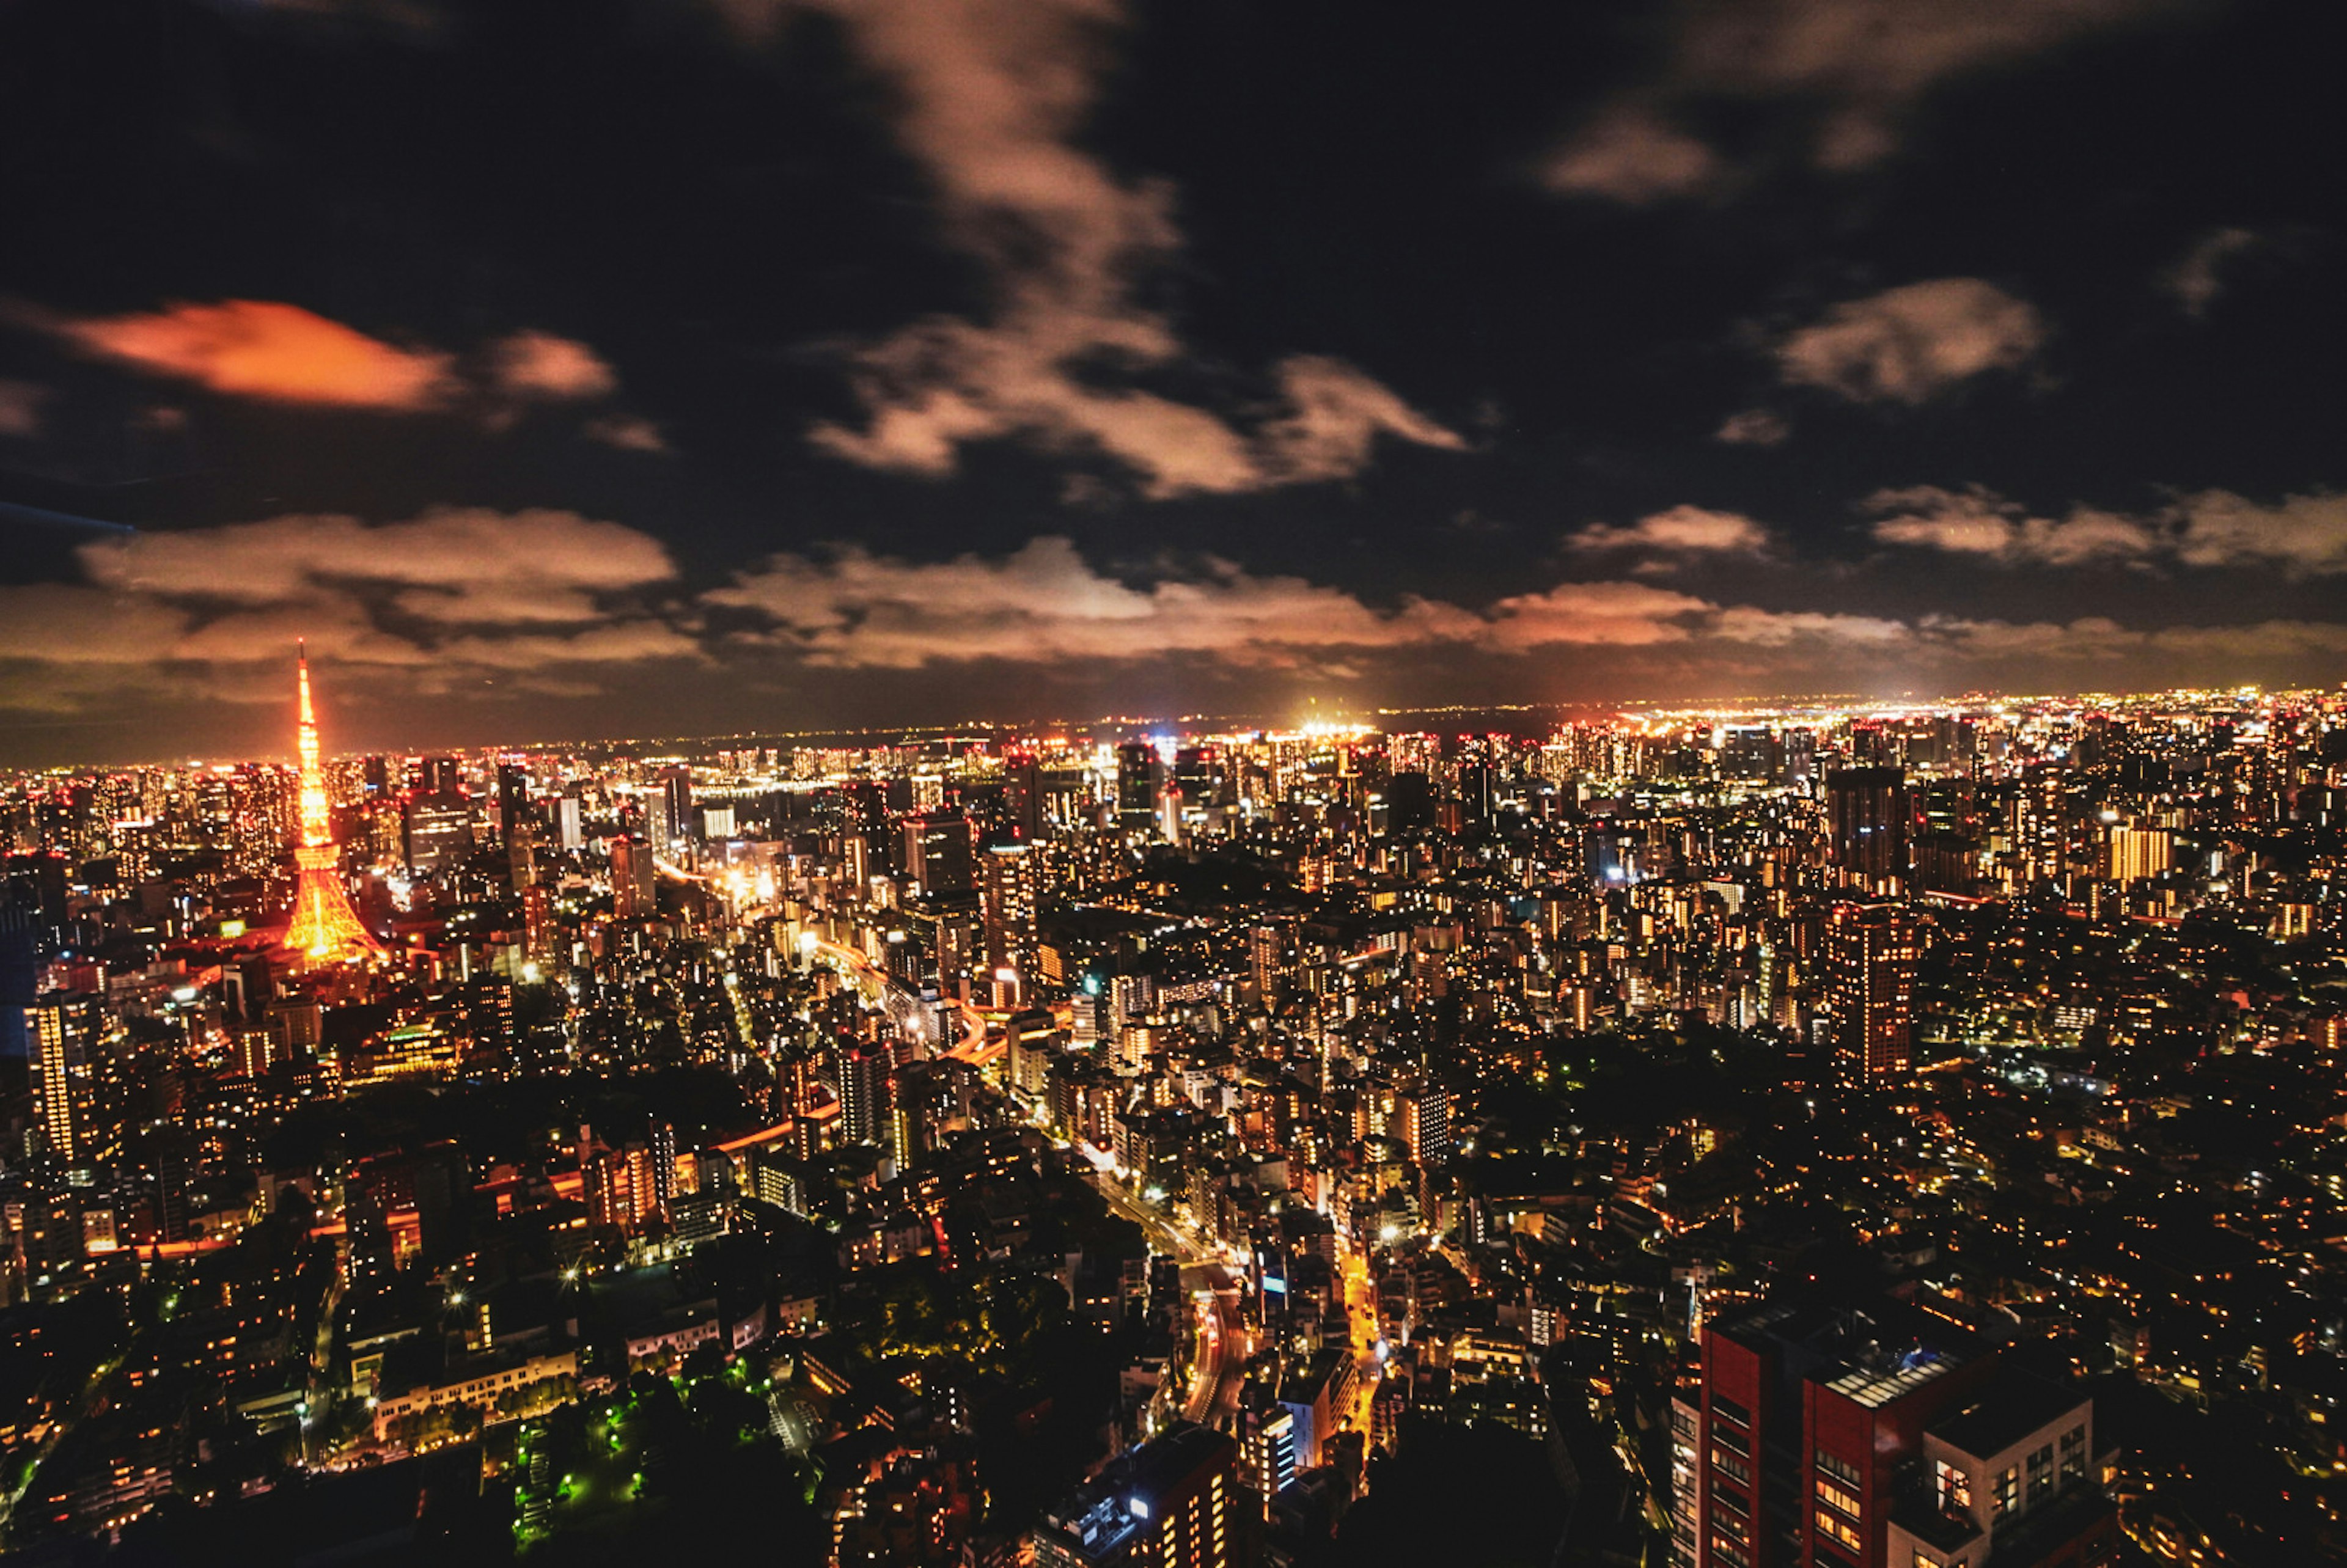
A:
324, 928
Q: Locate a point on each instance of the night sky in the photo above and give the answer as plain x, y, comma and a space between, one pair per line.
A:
575, 368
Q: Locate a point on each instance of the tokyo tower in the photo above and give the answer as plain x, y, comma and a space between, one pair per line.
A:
325, 928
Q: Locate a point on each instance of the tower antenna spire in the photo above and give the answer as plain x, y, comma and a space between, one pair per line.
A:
324, 927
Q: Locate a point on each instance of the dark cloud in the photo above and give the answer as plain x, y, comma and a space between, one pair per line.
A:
1854, 69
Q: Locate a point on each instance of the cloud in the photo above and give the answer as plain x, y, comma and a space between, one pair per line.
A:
628, 433
1978, 522
443, 602
1908, 344
2197, 278
1045, 604
1635, 158
261, 349
279, 352
1681, 531
1337, 413
2216, 653
2302, 536
449, 557
467, 605
1753, 427
1854, 68
20, 407
73, 623
539, 365
990, 94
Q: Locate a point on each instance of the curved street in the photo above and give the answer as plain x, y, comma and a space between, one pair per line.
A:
1223, 1341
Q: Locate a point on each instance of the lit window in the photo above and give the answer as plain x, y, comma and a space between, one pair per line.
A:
1955, 1487
1834, 1527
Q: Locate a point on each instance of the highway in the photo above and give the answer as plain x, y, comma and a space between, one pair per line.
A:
875, 984
1224, 1346
1223, 1341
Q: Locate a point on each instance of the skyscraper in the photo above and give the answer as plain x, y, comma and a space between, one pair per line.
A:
632, 894
20, 973
1139, 772
324, 927
50, 1063
863, 1093
1870, 959
676, 799
937, 850
1866, 810
1012, 889
513, 800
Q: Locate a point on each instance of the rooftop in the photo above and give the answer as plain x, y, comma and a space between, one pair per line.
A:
2016, 1405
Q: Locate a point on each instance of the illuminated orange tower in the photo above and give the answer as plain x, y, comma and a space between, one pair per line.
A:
325, 928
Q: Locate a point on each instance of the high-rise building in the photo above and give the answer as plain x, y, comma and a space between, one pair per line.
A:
1267, 1456
2133, 853
1263, 952
1013, 890
20, 974
436, 833
1022, 795
1173, 1502
2013, 1484
513, 800
676, 799
632, 879
1140, 774
1425, 1115
53, 1070
1806, 1417
938, 858
1870, 980
1866, 815
1888, 1435
662, 1145
862, 1086
324, 927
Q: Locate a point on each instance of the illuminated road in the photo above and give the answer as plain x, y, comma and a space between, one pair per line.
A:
876, 985
1361, 1313
1224, 1346
1223, 1341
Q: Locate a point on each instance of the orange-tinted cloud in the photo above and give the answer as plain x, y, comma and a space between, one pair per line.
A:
265, 349
532, 364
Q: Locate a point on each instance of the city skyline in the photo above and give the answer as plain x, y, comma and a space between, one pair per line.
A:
1172, 784
751, 366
